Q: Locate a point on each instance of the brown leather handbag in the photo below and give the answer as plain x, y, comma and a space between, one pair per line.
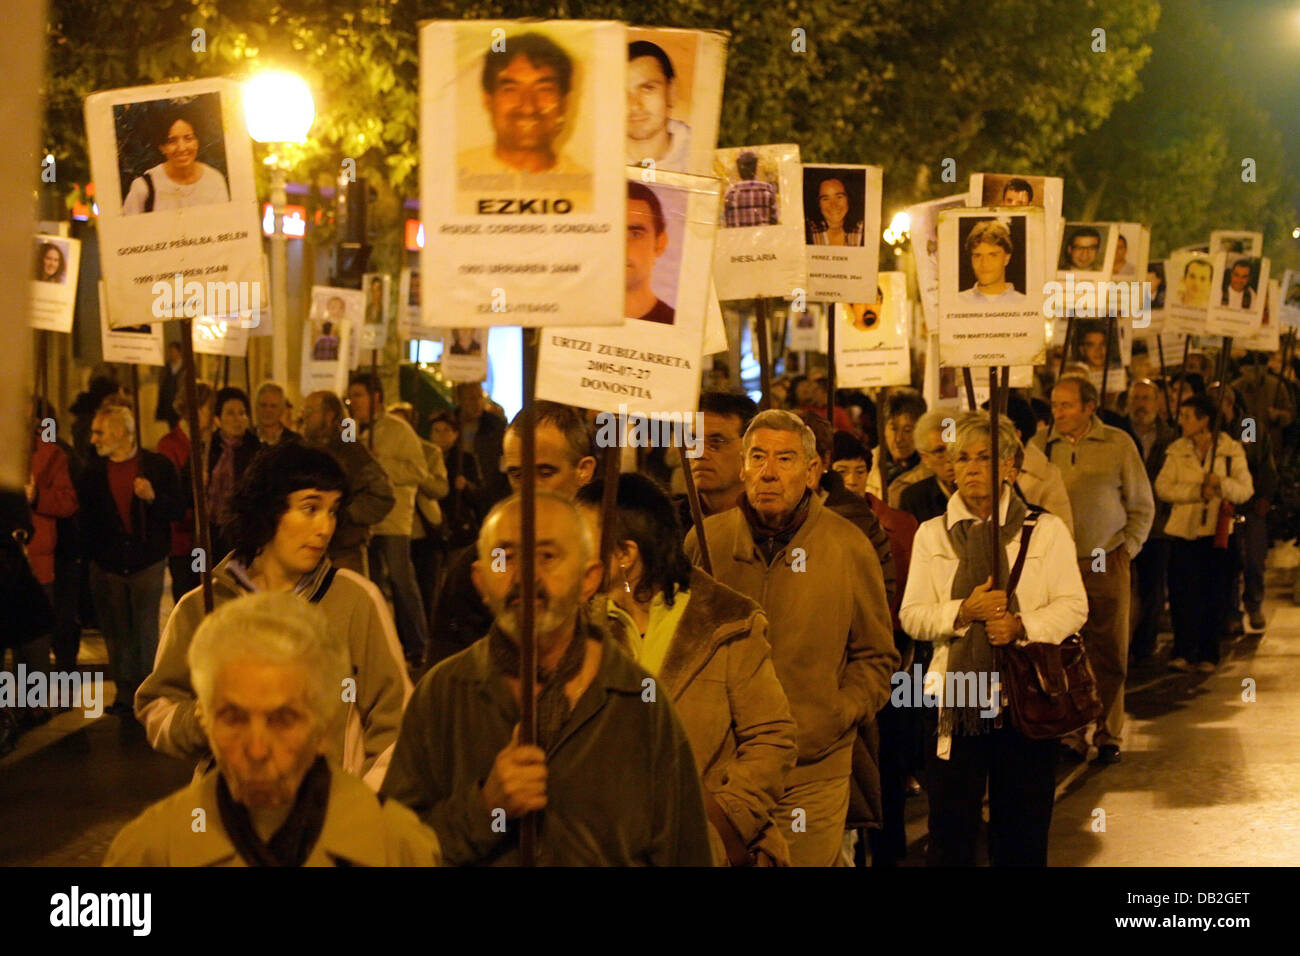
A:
1051, 688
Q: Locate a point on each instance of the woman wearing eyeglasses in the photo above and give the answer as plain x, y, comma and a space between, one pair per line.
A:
950, 601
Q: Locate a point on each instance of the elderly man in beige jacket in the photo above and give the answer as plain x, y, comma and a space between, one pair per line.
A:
819, 580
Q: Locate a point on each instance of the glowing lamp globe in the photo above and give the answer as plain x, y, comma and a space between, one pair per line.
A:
278, 108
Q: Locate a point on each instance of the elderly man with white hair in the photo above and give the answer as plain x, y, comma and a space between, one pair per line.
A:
270, 675
612, 775
128, 497
818, 578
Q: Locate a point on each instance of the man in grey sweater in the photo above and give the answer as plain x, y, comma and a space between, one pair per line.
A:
1113, 507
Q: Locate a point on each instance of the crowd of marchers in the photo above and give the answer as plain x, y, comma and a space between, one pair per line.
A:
719, 690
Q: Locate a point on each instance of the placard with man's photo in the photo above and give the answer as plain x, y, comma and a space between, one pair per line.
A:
674, 97
1268, 337
651, 363
1087, 250
373, 331
991, 278
53, 303
871, 342
1012, 189
1238, 290
841, 207
174, 164
464, 354
760, 247
327, 348
1188, 276
521, 182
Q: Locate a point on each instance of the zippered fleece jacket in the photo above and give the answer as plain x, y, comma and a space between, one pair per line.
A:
362, 734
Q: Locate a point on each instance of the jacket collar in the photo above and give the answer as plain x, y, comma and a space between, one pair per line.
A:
351, 820
715, 615
744, 547
1094, 432
957, 510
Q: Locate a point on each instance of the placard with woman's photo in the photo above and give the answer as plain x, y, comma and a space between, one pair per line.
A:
174, 165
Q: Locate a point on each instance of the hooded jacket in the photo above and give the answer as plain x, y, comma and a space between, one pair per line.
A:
718, 674
362, 735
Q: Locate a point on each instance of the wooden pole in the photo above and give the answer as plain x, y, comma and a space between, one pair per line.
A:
970, 388
135, 404
1065, 346
1164, 381
697, 512
995, 401
608, 509
198, 480
1006, 388
830, 365
1105, 363
528, 637
764, 350
225, 371
1221, 371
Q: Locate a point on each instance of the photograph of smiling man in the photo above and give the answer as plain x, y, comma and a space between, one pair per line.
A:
991, 273
528, 98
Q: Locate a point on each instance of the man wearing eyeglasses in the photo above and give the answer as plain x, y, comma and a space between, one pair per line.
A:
819, 580
725, 416
928, 497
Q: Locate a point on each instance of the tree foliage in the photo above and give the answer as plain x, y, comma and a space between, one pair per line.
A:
1172, 156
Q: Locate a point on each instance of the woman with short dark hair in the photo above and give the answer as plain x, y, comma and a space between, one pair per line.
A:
282, 516
707, 646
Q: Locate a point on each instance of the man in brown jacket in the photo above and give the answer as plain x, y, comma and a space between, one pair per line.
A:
819, 580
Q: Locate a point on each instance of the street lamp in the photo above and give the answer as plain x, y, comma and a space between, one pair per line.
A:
278, 109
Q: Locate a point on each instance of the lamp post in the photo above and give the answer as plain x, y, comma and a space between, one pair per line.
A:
279, 109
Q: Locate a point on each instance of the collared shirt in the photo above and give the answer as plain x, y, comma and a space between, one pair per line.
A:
678, 157
750, 202
1110, 493
621, 786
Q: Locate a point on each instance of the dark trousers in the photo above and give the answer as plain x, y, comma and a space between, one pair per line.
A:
65, 595
1020, 776
1150, 569
426, 557
889, 842
1200, 579
390, 560
184, 578
128, 608
1253, 538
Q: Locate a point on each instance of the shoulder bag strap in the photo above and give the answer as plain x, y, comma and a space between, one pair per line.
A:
1018, 568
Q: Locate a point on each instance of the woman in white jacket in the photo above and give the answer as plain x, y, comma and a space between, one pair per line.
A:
950, 601
1199, 573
